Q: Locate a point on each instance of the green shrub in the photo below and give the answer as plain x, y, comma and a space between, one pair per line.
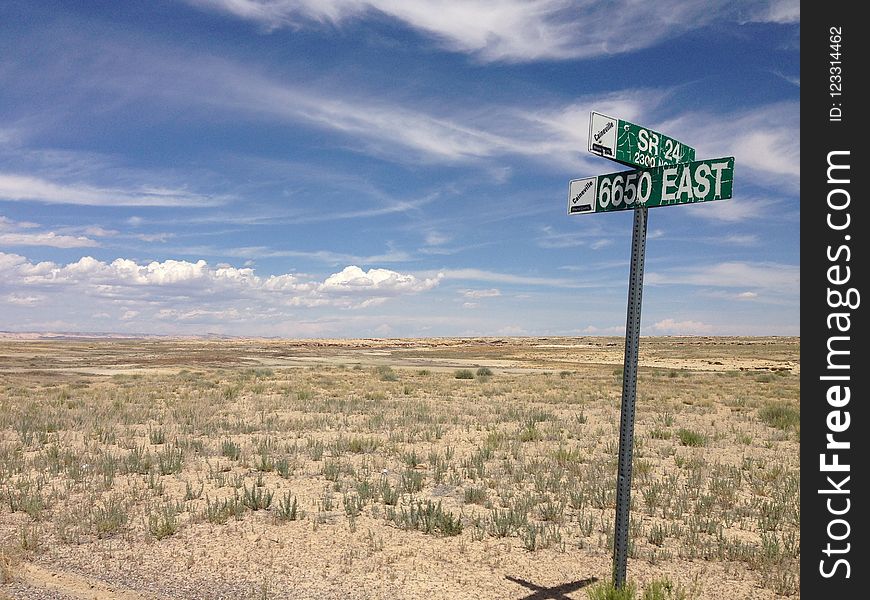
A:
386, 373
475, 495
665, 589
606, 590
780, 415
691, 438
231, 450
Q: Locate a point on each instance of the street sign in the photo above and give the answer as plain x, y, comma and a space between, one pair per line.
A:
668, 175
683, 183
633, 145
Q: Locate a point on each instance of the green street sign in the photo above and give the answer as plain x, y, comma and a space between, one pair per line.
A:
633, 145
683, 183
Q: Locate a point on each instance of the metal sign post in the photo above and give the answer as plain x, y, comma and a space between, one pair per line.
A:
629, 394
668, 175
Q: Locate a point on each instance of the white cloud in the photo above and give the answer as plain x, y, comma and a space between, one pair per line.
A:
777, 11
591, 235
672, 327
772, 277
561, 239
7, 224
792, 79
353, 279
172, 284
17, 187
734, 210
748, 239
593, 330
492, 276
22, 300
97, 231
765, 139
747, 295
407, 129
154, 237
490, 293
20, 233
436, 238
325, 256
48, 238
513, 30
512, 330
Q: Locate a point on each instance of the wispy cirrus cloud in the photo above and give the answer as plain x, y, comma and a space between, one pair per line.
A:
516, 30
781, 279
734, 210
476, 294
23, 233
763, 139
405, 129
506, 278
329, 257
46, 238
775, 11
18, 187
593, 236
22, 300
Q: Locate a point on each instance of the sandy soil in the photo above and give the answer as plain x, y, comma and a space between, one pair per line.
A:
330, 558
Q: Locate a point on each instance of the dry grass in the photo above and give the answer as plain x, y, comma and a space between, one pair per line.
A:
133, 447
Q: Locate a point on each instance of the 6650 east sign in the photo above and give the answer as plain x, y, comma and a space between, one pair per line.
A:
684, 183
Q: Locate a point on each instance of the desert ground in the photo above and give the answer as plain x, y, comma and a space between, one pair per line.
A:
407, 468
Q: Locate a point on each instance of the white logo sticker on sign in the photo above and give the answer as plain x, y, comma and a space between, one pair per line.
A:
602, 135
581, 195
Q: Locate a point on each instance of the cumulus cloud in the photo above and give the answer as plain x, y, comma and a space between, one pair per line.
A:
352, 279
187, 290
672, 327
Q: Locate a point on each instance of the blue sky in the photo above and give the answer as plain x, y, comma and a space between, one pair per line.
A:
387, 168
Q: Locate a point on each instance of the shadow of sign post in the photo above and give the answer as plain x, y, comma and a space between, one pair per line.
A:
556, 592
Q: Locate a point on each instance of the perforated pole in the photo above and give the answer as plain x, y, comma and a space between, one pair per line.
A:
629, 389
